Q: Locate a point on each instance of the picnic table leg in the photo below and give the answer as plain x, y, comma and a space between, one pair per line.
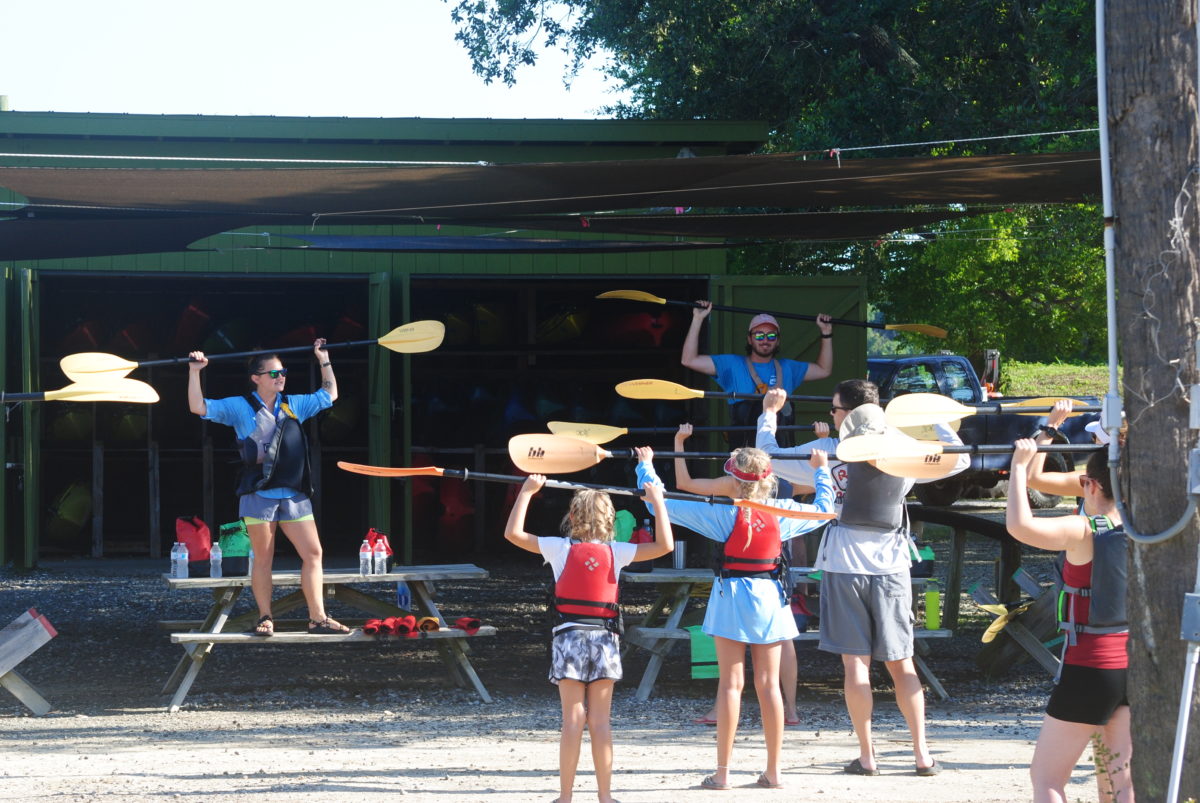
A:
958, 550
661, 647
455, 660
24, 691
195, 654
930, 678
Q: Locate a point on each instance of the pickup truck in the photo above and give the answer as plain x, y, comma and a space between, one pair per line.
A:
954, 376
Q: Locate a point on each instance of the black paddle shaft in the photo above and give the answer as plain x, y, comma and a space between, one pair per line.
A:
235, 354
465, 474
794, 315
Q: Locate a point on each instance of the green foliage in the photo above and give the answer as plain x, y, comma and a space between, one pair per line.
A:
825, 73
1052, 379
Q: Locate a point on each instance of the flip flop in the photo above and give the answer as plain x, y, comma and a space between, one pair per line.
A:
855, 767
765, 784
709, 783
791, 722
704, 721
932, 769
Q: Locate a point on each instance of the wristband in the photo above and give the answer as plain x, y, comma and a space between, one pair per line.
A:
824, 337
1049, 430
325, 364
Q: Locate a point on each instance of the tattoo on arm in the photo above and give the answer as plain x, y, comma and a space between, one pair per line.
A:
327, 384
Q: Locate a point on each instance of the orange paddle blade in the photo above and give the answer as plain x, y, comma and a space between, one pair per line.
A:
387, 471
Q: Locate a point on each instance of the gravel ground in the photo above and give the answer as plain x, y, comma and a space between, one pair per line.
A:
362, 722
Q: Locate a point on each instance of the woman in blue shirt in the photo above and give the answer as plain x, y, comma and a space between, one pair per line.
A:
274, 489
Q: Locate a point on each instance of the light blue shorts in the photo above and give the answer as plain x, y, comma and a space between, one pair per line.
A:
257, 509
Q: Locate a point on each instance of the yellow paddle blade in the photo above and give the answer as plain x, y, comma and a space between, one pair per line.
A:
553, 454
919, 328
874, 447
388, 471
657, 389
1042, 403
926, 432
415, 337
129, 391
918, 409
595, 433
784, 512
633, 295
95, 366
926, 467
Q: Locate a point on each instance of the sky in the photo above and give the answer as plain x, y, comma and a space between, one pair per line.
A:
357, 58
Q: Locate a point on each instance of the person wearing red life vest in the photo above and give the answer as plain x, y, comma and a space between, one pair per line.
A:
748, 603
1089, 700
586, 649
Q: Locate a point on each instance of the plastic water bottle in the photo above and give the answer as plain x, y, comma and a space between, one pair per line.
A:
174, 560
181, 561
365, 559
249, 562
403, 596
214, 561
380, 558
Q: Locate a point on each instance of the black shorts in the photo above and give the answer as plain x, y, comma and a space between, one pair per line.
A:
1088, 695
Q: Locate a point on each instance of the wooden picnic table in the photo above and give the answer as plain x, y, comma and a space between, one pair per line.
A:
198, 643
659, 629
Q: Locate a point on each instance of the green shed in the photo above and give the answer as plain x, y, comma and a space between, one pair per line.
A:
526, 340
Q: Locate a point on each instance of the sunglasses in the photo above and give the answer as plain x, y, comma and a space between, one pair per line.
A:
770, 337
275, 373
833, 410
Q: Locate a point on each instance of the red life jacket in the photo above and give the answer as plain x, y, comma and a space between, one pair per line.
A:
753, 549
587, 587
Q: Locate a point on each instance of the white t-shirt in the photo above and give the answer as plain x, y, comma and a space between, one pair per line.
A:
555, 549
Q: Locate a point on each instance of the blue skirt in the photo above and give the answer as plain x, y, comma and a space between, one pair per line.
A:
752, 610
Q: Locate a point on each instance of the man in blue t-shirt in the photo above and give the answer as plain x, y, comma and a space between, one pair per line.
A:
760, 369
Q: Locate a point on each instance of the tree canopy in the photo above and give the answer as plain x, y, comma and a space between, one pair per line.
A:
964, 76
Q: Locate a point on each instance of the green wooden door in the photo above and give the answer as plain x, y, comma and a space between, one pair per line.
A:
379, 402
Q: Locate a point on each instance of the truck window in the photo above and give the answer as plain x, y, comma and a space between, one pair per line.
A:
915, 378
958, 385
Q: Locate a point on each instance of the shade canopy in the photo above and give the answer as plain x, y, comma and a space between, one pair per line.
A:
90, 211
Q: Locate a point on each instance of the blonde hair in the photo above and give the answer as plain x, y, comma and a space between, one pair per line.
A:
590, 517
754, 461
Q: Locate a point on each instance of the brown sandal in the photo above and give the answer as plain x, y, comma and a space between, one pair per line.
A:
265, 626
327, 627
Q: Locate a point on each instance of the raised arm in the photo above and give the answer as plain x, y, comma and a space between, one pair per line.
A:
1059, 483
514, 530
328, 381
684, 481
692, 358
1069, 533
195, 395
664, 540
823, 367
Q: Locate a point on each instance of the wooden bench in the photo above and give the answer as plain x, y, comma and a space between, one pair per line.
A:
19, 639
451, 643
659, 629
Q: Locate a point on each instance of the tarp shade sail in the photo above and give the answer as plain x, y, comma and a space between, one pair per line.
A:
460, 245
400, 195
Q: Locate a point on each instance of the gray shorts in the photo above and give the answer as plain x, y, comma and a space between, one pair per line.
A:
585, 654
864, 614
255, 508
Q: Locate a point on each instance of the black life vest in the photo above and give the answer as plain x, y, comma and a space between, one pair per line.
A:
1106, 594
753, 548
873, 498
586, 591
284, 459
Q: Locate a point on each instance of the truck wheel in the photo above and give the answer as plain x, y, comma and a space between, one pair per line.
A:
1044, 501
941, 493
